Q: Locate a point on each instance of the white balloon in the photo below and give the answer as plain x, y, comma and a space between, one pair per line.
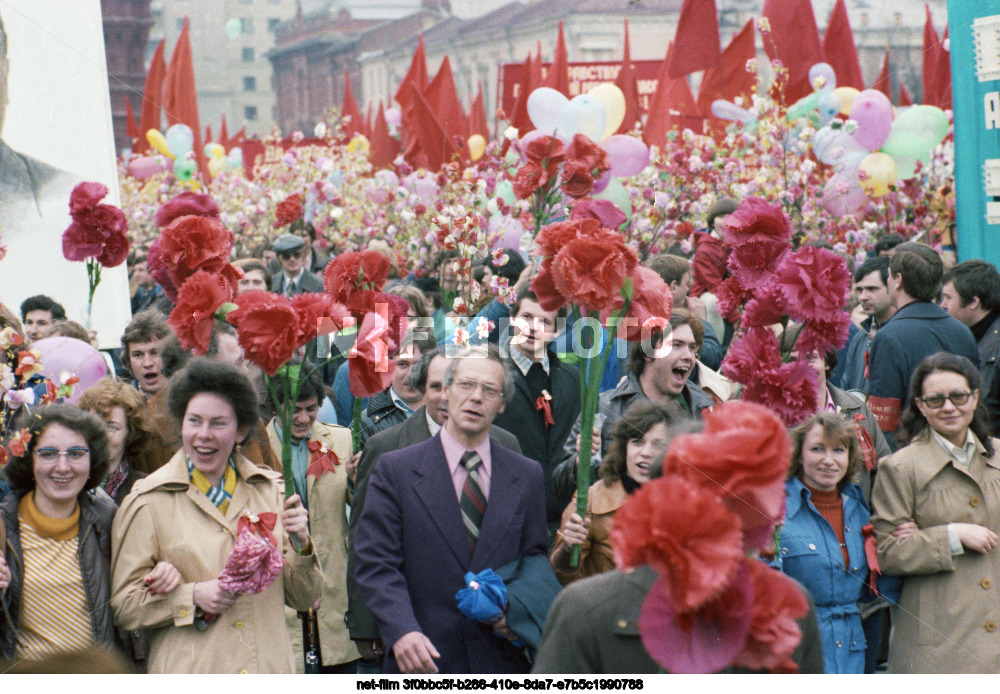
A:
545, 108
584, 115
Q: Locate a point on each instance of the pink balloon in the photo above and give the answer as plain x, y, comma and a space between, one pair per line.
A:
144, 167
601, 183
75, 356
628, 155
842, 195
872, 111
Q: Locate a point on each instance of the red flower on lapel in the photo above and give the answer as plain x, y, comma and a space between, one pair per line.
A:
322, 459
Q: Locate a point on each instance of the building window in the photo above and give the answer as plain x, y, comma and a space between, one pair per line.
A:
247, 55
273, 23
250, 112
897, 18
246, 24
249, 84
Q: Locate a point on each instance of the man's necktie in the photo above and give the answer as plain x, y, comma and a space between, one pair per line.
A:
473, 503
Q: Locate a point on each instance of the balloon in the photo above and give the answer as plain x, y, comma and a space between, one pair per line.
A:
905, 167
180, 139
613, 101
159, 143
505, 192
387, 179
393, 117
628, 155
144, 167
234, 27
872, 111
842, 195
358, 143
585, 115
727, 110
545, 109
802, 107
184, 168
601, 183
77, 357
234, 160
880, 172
477, 146
822, 77
828, 106
216, 165
213, 150
847, 96
916, 132
616, 193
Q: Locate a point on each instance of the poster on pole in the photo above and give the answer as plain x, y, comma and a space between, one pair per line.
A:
974, 28
55, 131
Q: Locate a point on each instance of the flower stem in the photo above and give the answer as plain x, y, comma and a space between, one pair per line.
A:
356, 424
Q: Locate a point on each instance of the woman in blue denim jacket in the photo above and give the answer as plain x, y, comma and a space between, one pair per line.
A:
823, 541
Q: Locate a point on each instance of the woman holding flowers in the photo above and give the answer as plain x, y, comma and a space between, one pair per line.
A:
187, 514
936, 509
638, 442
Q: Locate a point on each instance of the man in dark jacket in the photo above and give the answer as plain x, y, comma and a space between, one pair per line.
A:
294, 278
546, 398
919, 329
871, 286
970, 293
397, 402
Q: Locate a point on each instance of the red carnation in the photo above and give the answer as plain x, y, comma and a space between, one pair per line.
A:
604, 211
544, 287
774, 633
756, 220
369, 368
313, 311
81, 242
578, 182
754, 263
546, 151
789, 390
815, 283
197, 301
188, 202
85, 195
765, 309
729, 295
354, 271
588, 154
754, 351
552, 237
288, 210
590, 271
268, 328
649, 310
528, 179
158, 269
393, 308
192, 243
683, 530
821, 336
97, 230
115, 250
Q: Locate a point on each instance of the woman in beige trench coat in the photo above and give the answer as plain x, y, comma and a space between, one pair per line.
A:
936, 506
169, 520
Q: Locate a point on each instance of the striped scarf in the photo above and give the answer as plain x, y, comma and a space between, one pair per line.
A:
220, 495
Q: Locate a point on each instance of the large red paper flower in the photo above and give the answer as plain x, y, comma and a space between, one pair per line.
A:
197, 301
588, 155
392, 307
288, 210
754, 263
729, 295
815, 283
369, 369
268, 328
756, 220
188, 202
754, 351
159, 270
789, 390
548, 152
590, 271
604, 211
354, 271
705, 640
774, 634
649, 310
192, 243
552, 237
577, 179
765, 309
529, 178
316, 310
821, 336
544, 287
685, 532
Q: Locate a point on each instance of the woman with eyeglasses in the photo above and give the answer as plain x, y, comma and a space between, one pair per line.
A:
936, 508
638, 441
54, 569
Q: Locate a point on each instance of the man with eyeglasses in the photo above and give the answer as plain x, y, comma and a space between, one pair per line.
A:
466, 504
294, 278
918, 329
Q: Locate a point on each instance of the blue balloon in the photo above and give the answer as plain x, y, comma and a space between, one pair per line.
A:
180, 139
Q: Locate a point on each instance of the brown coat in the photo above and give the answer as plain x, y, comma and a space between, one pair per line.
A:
328, 499
165, 518
159, 450
948, 614
595, 552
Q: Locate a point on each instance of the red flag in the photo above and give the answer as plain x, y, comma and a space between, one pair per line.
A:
883, 82
536, 67
417, 76
478, 123
208, 134
794, 40
904, 96
932, 48
152, 98
224, 133
519, 118
558, 77
442, 97
384, 147
180, 98
839, 49
237, 138
732, 80
673, 106
349, 109
626, 81
131, 127
434, 141
696, 41
942, 75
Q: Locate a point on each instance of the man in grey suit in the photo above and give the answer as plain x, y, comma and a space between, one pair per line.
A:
294, 278
427, 376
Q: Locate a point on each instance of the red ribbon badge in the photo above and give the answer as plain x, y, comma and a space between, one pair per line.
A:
868, 532
259, 524
542, 404
322, 459
865, 442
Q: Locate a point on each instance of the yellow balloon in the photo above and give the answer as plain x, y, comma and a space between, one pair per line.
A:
477, 146
214, 150
215, 165
613, 101
847, 96
358, 142
155, 138
879, 171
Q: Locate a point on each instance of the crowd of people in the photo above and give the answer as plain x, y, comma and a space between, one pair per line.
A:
121, 506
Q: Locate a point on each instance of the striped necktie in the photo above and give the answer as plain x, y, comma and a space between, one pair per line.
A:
473, 503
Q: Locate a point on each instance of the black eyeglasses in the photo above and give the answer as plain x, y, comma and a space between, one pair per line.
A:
288, 255
936, 400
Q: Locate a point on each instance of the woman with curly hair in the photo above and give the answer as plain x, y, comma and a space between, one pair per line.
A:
639, 441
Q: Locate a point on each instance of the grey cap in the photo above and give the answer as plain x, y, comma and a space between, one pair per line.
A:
288, 242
